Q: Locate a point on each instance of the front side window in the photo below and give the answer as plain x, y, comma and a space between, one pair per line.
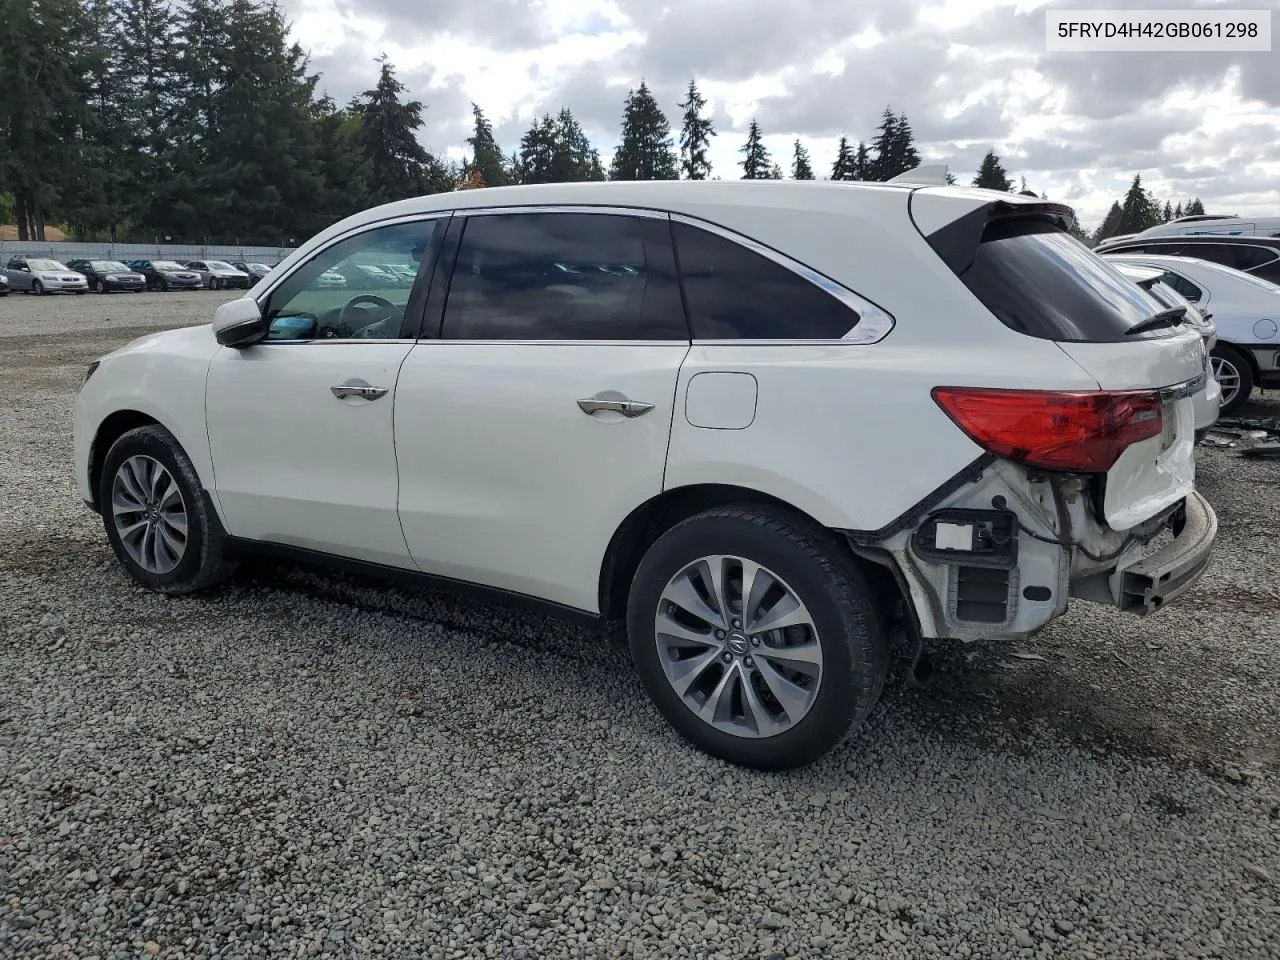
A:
734, 293
345, 292
564, 276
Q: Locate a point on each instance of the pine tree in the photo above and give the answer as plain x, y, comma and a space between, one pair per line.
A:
556, 150
1177, 211
695, 136
992, 176
843, 168
41, 104
344, 168
646, 151
1195, 208
756, 162
399, 167
1110, 225
1139, 209
951, 179
861, 163
775, 172
801, 169
894, 147
485, 155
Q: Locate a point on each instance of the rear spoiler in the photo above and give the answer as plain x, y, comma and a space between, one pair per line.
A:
956, 242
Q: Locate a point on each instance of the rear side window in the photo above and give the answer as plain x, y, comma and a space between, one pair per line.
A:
564, 276
1183, 286
1039, 280
734, 293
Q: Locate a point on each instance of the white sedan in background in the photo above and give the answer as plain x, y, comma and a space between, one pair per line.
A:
1246, 312
1208, 402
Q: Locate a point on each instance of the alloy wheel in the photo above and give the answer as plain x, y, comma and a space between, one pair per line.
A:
1228, 377
738, 646
149, 513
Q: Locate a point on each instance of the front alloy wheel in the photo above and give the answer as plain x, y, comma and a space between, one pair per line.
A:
149, 514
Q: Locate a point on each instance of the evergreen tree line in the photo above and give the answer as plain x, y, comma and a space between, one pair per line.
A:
1139, 210
199, 120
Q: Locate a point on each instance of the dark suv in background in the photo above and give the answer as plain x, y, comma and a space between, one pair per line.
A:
1259, 256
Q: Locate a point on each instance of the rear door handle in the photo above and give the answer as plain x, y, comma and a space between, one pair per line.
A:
628, 408
357, 390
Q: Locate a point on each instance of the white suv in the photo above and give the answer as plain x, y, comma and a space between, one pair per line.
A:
768, 425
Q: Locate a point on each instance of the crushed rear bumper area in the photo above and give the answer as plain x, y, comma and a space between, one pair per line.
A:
1175, 568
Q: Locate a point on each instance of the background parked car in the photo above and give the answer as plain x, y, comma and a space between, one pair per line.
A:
4, 285
1246, 313
1208, 401
364, 276
331, 280
40, 275
1259, 256
256, 271
218, 274
166, 275
107, 275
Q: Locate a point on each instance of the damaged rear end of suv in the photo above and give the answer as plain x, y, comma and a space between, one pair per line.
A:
1081, 490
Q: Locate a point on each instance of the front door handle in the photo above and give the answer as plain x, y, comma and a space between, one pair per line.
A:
357, 390
628, 408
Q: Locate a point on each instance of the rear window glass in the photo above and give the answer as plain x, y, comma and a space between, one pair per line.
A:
1039, 280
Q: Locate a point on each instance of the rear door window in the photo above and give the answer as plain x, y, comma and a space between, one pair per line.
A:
1040, 281
1183, 286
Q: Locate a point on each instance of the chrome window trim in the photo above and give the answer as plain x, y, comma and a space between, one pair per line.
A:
874, 322
275, 282
613, 210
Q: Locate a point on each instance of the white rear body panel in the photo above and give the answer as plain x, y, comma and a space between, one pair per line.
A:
1157, 472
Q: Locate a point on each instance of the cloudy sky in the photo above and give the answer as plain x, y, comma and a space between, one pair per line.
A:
969, 74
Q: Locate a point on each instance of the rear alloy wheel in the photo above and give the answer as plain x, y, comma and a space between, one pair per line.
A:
157, 519
1234, 375
37, 288
756, 636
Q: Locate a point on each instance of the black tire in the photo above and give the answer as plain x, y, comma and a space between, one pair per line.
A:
37, 288
100, 287
164, 285
1230, 355
204, 562
823, 576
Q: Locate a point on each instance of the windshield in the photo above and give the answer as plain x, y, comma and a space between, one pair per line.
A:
257, 266
45, 265
220, 265
1039, 280
167, 265
108, 266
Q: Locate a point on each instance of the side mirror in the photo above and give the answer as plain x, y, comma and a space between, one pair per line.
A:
239, 323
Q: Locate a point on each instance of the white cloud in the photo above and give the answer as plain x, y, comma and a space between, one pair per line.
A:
969, 74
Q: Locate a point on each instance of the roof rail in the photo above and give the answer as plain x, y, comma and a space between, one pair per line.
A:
1205, 216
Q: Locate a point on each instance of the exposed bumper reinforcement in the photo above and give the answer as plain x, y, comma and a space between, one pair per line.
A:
1176, 567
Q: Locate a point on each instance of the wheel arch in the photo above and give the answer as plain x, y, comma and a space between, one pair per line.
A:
649, 521
114, 426
1249, 358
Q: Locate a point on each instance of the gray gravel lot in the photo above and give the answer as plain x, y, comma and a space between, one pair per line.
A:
304, 765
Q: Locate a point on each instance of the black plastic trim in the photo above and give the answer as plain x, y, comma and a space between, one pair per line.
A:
441, 279
966, 476
413, 578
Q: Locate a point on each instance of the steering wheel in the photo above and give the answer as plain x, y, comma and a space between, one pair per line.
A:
376, 327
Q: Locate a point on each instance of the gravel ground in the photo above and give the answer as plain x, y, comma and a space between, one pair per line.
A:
305, 765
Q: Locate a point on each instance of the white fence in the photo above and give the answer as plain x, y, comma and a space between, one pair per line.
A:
67, 250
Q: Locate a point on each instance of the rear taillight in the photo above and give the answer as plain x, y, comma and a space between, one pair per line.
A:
1075, 432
